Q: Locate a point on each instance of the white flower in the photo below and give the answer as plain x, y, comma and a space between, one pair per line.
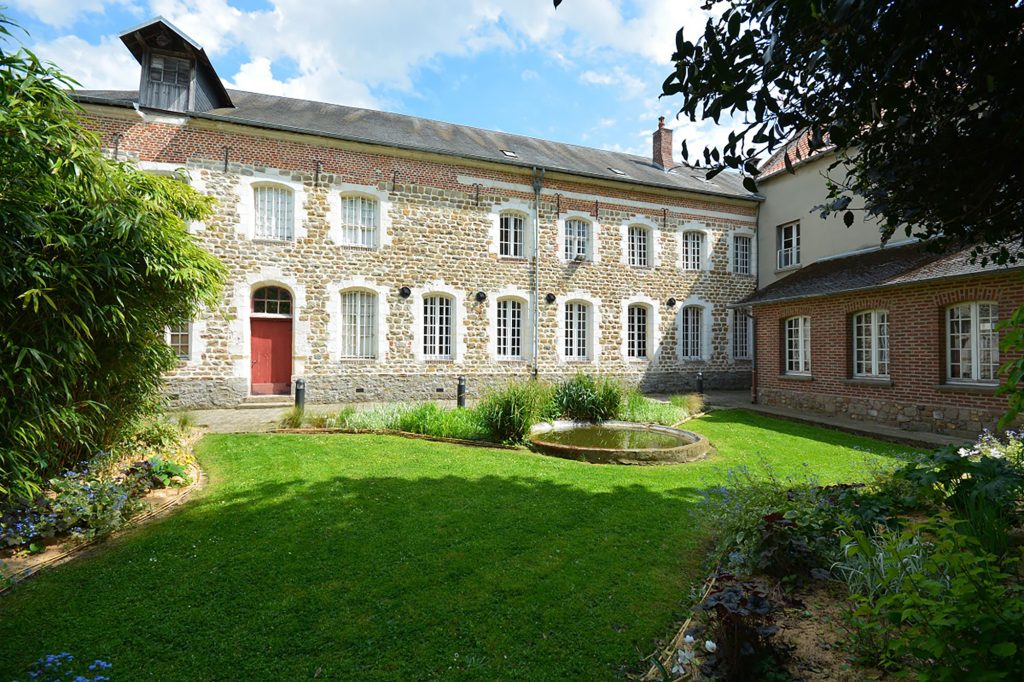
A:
710, 647
684, 656
688, 639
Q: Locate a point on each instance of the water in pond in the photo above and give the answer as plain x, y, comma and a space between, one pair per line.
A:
638, 438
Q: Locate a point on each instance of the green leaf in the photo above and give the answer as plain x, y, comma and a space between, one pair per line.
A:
1004, 649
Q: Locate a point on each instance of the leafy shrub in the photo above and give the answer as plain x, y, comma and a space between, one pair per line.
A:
97, 261
62, 666
510, 412
984, 491
164, 471
584, 398
781, 527
741, 625
937, 602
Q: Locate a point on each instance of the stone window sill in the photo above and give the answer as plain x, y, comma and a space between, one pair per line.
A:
513, 259
358, 247
869, 381
271, 241
512, 361
796, 377
980, 389
791, 268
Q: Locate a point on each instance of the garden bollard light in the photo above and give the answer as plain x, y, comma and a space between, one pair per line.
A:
460, 394
300, 394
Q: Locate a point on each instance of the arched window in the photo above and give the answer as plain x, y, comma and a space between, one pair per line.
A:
972, 343
577, 330
510, 329
511, 234
360, 220
577, 239
275, 212
358, 324
690, 332
639, 246
272, 301
797, 350
437, 326
693, 250
637, 317
871, 344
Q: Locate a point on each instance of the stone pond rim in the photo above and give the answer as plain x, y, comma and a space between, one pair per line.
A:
582, 441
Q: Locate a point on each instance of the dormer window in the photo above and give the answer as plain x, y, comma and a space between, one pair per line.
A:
166, 83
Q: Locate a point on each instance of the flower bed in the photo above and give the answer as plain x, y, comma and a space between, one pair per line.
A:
922, 563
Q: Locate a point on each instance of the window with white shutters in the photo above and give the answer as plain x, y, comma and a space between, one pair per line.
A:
359, 220
437, 327
275, 212
510, 329
358, 324
972, 353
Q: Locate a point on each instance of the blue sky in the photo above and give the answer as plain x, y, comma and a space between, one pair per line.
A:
588, 73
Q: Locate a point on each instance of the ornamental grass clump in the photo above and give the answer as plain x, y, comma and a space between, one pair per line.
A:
584, 398
509, 413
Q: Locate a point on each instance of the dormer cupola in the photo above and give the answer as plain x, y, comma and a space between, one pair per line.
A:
176, 73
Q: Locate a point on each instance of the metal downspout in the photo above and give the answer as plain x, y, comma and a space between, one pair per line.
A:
538, 180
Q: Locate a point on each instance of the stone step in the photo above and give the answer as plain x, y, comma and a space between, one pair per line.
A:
266, 401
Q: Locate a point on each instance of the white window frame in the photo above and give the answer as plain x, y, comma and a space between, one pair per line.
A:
279, 222
653, 241
169, 333
870, 337
797, 347
359, 342
592, 254
734, 265
335, 323
577, 346
593, 328
741, 326
653, 328
973, 337
686, 252
638, 245
247, 204
787, 253
510, 322
688, 316
438, 327
364, 231
638, 332
336, 232
515, 244
458, 310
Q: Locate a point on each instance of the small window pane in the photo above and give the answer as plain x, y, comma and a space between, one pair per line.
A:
272, 301
358, 324
437, 327
179, 338
510, 329
577, 345
636, 332
577, 239
359, 218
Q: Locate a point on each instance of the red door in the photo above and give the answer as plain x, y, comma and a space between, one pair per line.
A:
271, 356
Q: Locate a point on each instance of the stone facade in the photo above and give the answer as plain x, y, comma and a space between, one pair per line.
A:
439, 218
917, 394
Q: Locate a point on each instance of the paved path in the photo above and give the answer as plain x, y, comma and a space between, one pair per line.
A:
255, 419
741, 399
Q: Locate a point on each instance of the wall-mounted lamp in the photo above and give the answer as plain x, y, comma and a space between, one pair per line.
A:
405, 292
480, 297
671, 303
550, 298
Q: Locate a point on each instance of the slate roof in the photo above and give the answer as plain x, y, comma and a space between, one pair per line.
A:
880, 268
420, 134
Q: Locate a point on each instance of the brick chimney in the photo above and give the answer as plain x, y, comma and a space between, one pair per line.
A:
663, 146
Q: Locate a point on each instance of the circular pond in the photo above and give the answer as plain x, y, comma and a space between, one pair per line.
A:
618, 442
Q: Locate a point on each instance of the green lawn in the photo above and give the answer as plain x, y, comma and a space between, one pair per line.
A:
373, 557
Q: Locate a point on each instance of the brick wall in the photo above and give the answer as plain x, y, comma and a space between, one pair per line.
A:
917, 397
440, 239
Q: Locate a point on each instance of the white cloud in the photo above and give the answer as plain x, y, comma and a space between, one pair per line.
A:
107, 66
61, 13
323, 84
630, 86
529, 75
